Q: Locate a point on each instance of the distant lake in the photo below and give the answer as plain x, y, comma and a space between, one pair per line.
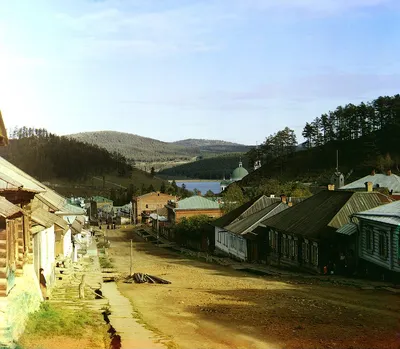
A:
202, 186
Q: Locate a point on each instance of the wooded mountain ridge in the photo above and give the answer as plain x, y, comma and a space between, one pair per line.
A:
365, 135
144, 149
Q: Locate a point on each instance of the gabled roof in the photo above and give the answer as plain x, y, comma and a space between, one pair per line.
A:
46, 195
232, 215
47, 219
196, 203
247, 223
76, 227
389, 214
391, 182
13, 177
8, 209
262, 202
327, 209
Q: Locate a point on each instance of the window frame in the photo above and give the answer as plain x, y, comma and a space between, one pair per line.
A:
369, 238
383, 244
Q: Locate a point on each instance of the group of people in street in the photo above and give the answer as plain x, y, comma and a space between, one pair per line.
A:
344, 265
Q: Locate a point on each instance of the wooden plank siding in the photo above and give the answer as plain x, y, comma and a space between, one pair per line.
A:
379, 244
231, 244
296, 252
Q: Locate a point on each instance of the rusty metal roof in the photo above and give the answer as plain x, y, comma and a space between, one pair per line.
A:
328, 209
8, 209
47, 219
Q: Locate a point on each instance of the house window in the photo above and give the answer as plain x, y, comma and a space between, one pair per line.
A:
383, 245
147, 206
241, 245
291, 246
314, 253
305, 251
369, 237
273, 240
283, 245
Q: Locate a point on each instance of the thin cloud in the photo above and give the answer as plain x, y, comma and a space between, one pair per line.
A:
189, 28
321, 7
329, 86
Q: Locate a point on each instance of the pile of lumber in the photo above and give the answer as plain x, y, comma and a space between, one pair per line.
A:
141, 278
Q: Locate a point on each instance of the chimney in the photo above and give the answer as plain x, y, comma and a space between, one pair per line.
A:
283, 198
368, 186
389, 172
272, 196
199, 193
373, 173
331, 187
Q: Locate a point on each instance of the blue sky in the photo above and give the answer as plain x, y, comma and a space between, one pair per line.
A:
237, 70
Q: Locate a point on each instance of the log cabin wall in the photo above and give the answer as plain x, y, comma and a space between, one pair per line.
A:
3, 260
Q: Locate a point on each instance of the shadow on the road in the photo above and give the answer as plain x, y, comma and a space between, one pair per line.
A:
295, 317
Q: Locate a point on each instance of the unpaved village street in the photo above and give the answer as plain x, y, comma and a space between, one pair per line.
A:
210, 306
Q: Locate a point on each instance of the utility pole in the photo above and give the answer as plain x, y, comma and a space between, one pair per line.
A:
131, 261
157, 227
134, 212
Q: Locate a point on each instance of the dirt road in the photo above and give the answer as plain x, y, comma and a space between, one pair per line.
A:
211, 306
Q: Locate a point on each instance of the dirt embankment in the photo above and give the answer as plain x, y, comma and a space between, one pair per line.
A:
210, 306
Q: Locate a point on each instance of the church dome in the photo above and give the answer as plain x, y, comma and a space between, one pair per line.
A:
239, 173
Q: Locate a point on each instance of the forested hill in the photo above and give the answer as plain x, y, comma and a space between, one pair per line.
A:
367, 137
138, 148
209, 168
47, 156
212, 146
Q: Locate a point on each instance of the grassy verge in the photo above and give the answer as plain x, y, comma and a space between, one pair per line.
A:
51, 322
105, 262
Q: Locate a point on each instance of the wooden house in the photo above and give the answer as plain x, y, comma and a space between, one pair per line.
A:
306, 235
236, 233
52, 238
379, 242
11, 240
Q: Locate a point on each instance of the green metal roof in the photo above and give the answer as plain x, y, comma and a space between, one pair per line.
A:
100, 199
239, 173
196, 203
225, 182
